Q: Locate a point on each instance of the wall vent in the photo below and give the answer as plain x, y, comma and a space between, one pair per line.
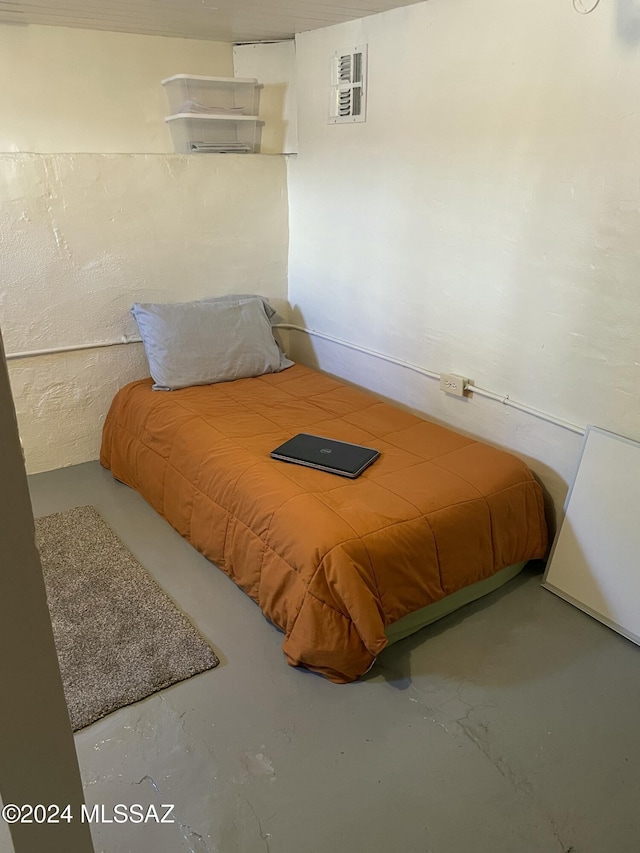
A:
348, 85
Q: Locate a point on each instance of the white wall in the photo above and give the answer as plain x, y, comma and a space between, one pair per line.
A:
274, 66
485, 218
70, 90
84, 235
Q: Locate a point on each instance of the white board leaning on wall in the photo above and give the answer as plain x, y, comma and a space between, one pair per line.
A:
595, 560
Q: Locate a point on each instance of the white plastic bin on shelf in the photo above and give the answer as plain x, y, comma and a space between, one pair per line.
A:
216, 95
215, 134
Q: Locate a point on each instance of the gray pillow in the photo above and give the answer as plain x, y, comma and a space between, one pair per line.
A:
198, 343
270, 311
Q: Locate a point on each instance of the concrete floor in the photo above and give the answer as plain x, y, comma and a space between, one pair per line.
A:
510, 726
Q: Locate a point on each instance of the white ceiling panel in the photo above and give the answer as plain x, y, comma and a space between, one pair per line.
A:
215, 20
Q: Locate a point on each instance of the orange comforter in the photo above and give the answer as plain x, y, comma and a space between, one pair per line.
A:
330, 561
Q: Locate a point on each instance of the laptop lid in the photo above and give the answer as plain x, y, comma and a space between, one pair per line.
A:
326, 454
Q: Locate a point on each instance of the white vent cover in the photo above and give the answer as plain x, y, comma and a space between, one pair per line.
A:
348, 85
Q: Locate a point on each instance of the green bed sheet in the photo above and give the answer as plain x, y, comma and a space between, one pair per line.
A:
432, 612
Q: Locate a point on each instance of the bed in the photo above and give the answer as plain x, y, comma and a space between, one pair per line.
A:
340, 566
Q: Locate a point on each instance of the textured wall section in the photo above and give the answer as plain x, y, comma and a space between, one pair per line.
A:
61, 401
84, 236
484, 220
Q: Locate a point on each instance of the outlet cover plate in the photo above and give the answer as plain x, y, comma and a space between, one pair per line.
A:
453, 384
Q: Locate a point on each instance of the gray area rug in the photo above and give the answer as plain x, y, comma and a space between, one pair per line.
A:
119, 637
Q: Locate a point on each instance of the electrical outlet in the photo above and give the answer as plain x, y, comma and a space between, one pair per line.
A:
451, 383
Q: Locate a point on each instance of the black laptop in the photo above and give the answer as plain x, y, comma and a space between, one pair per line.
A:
326, 454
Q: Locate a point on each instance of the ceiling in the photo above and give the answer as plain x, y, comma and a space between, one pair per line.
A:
215, 20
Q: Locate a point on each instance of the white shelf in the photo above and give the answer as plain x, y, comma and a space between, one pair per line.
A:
215, 134
213, 114
213, 117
